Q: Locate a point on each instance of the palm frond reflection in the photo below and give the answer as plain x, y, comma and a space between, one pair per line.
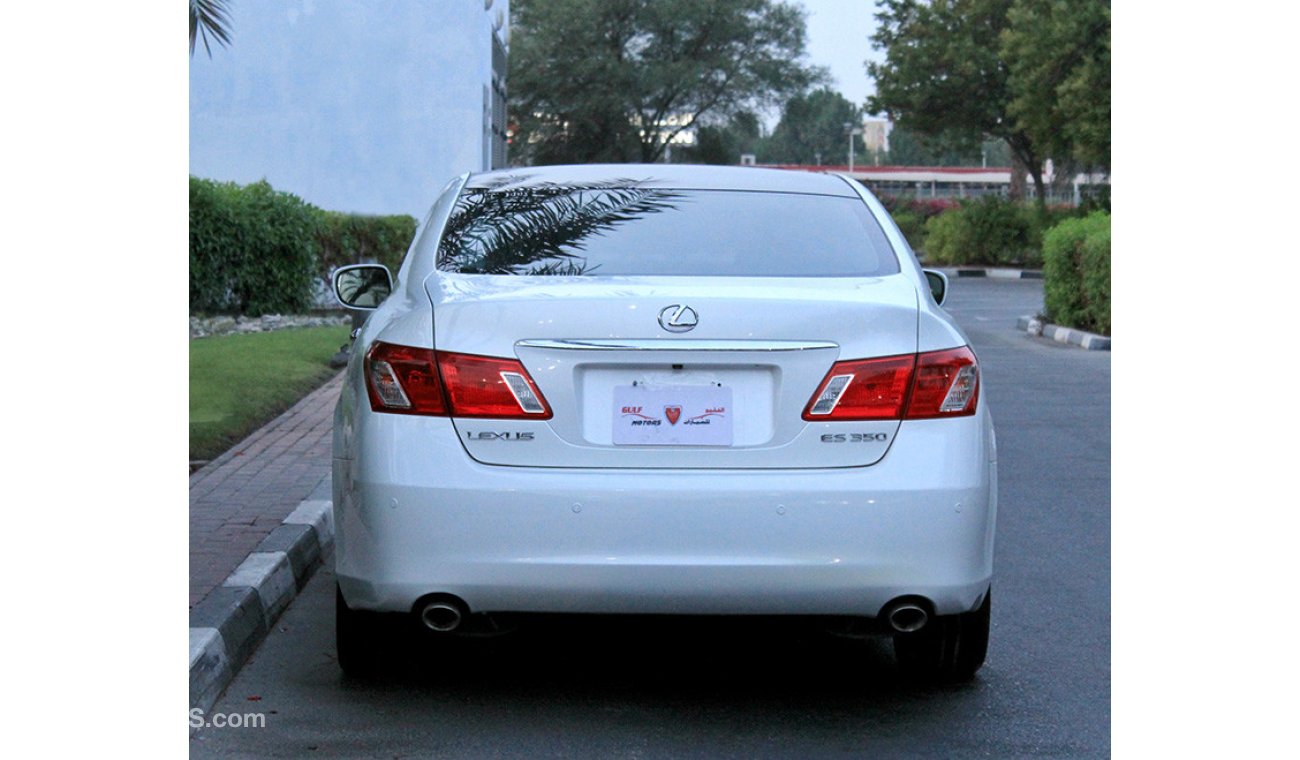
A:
541, 229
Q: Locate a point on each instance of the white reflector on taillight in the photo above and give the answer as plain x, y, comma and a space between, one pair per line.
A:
518, 386
830, 396
960, 392
387, 387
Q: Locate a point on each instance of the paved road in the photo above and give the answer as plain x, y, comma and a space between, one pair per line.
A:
680, 689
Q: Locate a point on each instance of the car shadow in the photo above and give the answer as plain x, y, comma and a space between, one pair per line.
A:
652, 659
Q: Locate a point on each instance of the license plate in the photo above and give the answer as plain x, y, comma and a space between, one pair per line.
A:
672, 415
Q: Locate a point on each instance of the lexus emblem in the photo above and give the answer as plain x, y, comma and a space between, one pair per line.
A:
678, 318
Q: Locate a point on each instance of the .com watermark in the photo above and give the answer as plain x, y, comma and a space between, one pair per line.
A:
199, 719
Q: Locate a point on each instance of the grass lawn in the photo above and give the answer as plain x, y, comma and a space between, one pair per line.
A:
240, 382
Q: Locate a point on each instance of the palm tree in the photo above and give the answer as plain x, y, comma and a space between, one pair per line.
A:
209, 17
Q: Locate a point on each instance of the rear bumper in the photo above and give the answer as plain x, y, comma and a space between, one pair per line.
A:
421, 519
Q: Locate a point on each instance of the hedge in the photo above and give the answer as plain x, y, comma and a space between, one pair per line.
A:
911, 214
251, 249
353, 238
1076, 273
214, 244
991, 231
254, 250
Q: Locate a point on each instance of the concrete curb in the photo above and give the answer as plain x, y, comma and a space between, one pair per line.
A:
994, 273
1085, 340
229, 623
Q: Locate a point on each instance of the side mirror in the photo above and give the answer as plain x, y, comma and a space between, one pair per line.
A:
362, 286
938, 284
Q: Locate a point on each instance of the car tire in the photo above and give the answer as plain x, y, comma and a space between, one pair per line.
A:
950, 649
355, 636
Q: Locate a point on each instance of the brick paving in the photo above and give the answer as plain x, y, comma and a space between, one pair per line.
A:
238, 498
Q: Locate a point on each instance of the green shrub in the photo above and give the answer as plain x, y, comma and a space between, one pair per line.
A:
281, 253
252, 249
214, 251
912, 226
353, 238
1038, 220
911, 215
1076, 273
990, 231
1095, 198
1096, 278
947, 239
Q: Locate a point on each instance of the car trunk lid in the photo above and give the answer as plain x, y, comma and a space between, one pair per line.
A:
671, 372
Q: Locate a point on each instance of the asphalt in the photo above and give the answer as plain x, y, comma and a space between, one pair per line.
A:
1032, 323
261, 525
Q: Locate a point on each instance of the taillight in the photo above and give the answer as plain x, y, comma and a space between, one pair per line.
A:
408, 380
946, 385
865, 389
484, 386
403, 380
914, 386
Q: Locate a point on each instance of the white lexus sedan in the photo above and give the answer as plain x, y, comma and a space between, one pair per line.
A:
662, 389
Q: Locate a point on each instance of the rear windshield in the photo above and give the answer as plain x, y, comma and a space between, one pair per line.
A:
634, 230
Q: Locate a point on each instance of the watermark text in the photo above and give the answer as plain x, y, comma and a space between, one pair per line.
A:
200, 719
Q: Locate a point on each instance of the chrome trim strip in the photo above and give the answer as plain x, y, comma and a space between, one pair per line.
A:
653, 344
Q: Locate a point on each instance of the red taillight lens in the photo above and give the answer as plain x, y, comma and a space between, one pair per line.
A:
916, 386
408, 380
946, 385
866, 389
484, 386
403, 380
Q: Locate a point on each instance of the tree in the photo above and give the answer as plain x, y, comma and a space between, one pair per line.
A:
812, 131
209, 17
943, 75
724, 143
615, 80
1058, 59
907, 148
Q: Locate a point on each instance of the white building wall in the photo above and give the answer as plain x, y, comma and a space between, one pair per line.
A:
355, 106
875, 134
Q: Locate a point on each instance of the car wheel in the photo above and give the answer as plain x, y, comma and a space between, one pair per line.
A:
950, 649
356, 640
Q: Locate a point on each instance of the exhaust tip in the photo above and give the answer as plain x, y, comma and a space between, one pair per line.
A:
907, 617
443, 617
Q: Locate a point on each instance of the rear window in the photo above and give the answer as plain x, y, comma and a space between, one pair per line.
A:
637, 230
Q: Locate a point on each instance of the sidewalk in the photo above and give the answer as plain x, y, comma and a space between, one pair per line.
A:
260, 524
240, 497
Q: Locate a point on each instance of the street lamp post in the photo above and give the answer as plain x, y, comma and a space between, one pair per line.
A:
853, 132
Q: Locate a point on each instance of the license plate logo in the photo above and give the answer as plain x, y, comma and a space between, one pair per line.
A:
676, 415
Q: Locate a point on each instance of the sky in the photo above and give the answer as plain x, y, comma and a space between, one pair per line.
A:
839, 33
